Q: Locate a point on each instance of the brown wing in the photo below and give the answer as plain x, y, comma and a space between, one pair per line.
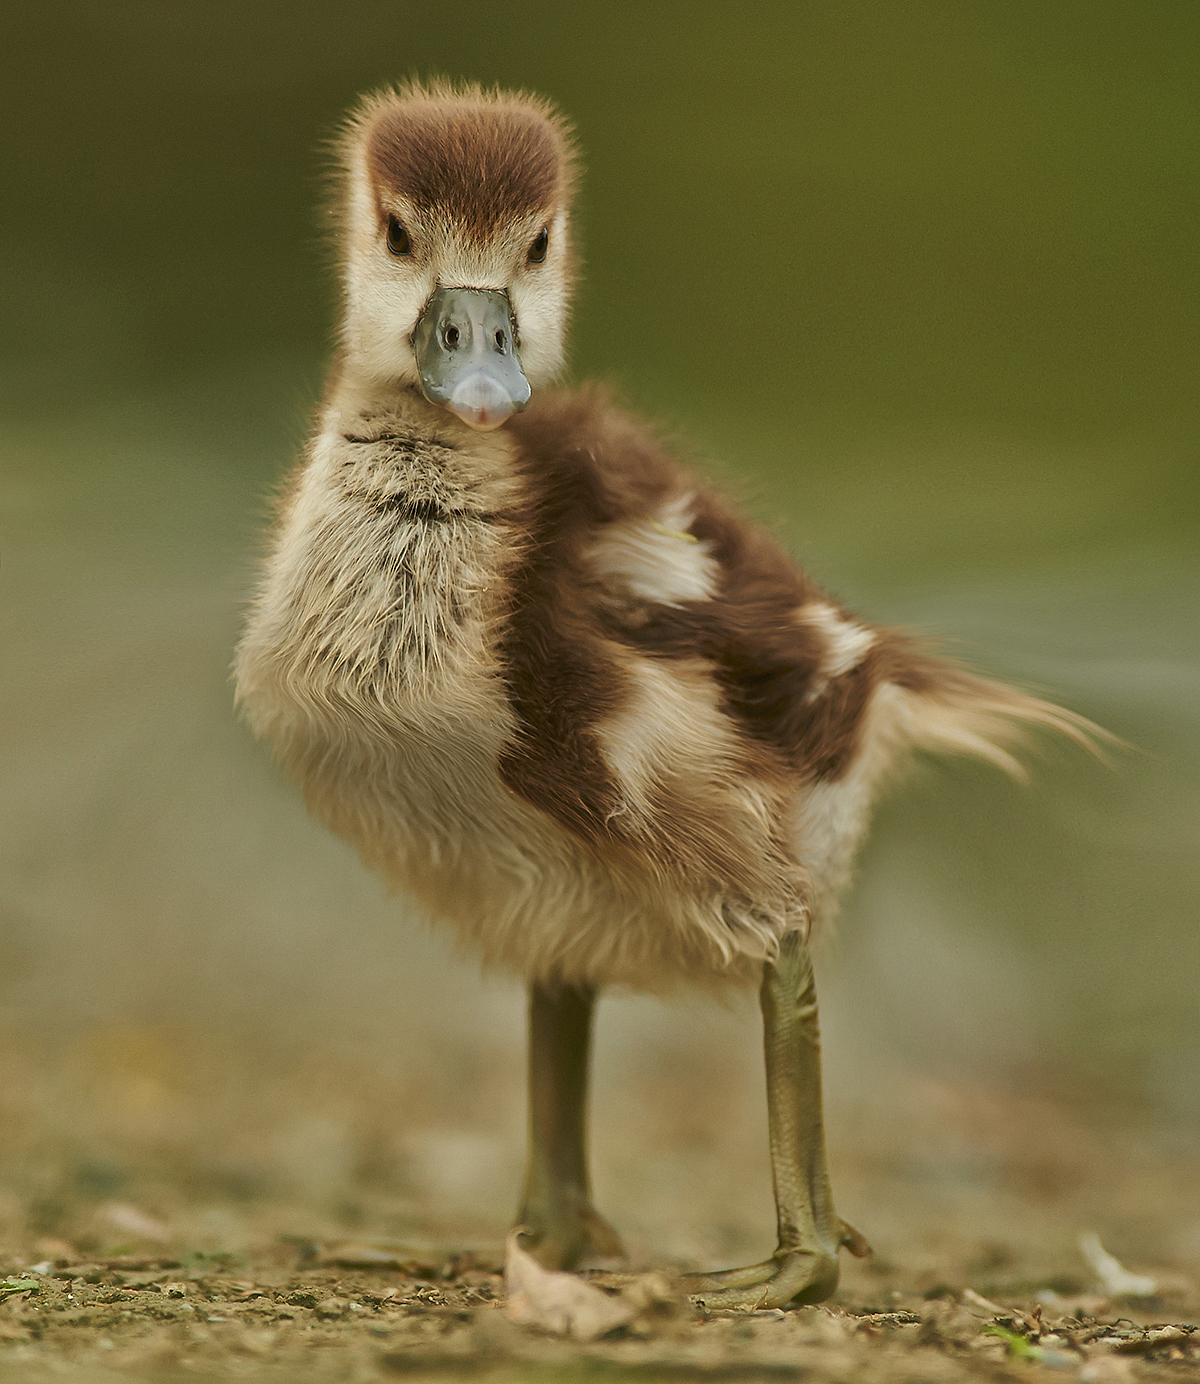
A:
597, 478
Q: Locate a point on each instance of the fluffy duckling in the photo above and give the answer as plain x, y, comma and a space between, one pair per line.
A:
550, 684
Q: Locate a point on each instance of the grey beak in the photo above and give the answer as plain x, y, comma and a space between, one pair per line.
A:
468, 361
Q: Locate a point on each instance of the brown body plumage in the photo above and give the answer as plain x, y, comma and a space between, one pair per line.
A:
546, 681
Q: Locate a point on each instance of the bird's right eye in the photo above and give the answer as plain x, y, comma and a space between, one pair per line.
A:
397, 237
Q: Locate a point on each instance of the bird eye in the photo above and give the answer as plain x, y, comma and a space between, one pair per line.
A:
397, 237
537, 251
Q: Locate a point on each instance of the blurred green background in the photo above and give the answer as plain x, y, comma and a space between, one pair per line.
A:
919, 279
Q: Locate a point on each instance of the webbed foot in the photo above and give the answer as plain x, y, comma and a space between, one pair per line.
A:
789, 1276
797, 1276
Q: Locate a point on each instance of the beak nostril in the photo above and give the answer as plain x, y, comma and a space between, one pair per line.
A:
465, 347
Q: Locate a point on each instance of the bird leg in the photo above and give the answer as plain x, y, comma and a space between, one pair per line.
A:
804, 1267
564, 1229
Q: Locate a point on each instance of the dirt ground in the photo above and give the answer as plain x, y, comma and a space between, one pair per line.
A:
162, 1319
974, 1277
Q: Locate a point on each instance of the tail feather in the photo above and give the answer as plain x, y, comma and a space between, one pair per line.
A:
948, 710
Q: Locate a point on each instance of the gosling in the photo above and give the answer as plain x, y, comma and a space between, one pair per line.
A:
551, 685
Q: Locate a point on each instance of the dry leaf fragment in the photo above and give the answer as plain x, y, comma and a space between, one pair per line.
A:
557, 1302
982, 1304
1115, 1278
1154, 1338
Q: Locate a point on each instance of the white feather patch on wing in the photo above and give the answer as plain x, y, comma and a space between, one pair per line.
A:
673, 730
656, 559
685, 791
846, 643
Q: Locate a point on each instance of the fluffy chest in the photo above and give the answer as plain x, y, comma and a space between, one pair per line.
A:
386, 586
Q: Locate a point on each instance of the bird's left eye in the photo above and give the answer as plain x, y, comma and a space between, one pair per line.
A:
537, 251
397, 237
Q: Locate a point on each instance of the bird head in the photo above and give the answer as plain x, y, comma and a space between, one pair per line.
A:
456, 249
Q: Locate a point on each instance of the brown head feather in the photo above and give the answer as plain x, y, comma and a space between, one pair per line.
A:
480, 157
